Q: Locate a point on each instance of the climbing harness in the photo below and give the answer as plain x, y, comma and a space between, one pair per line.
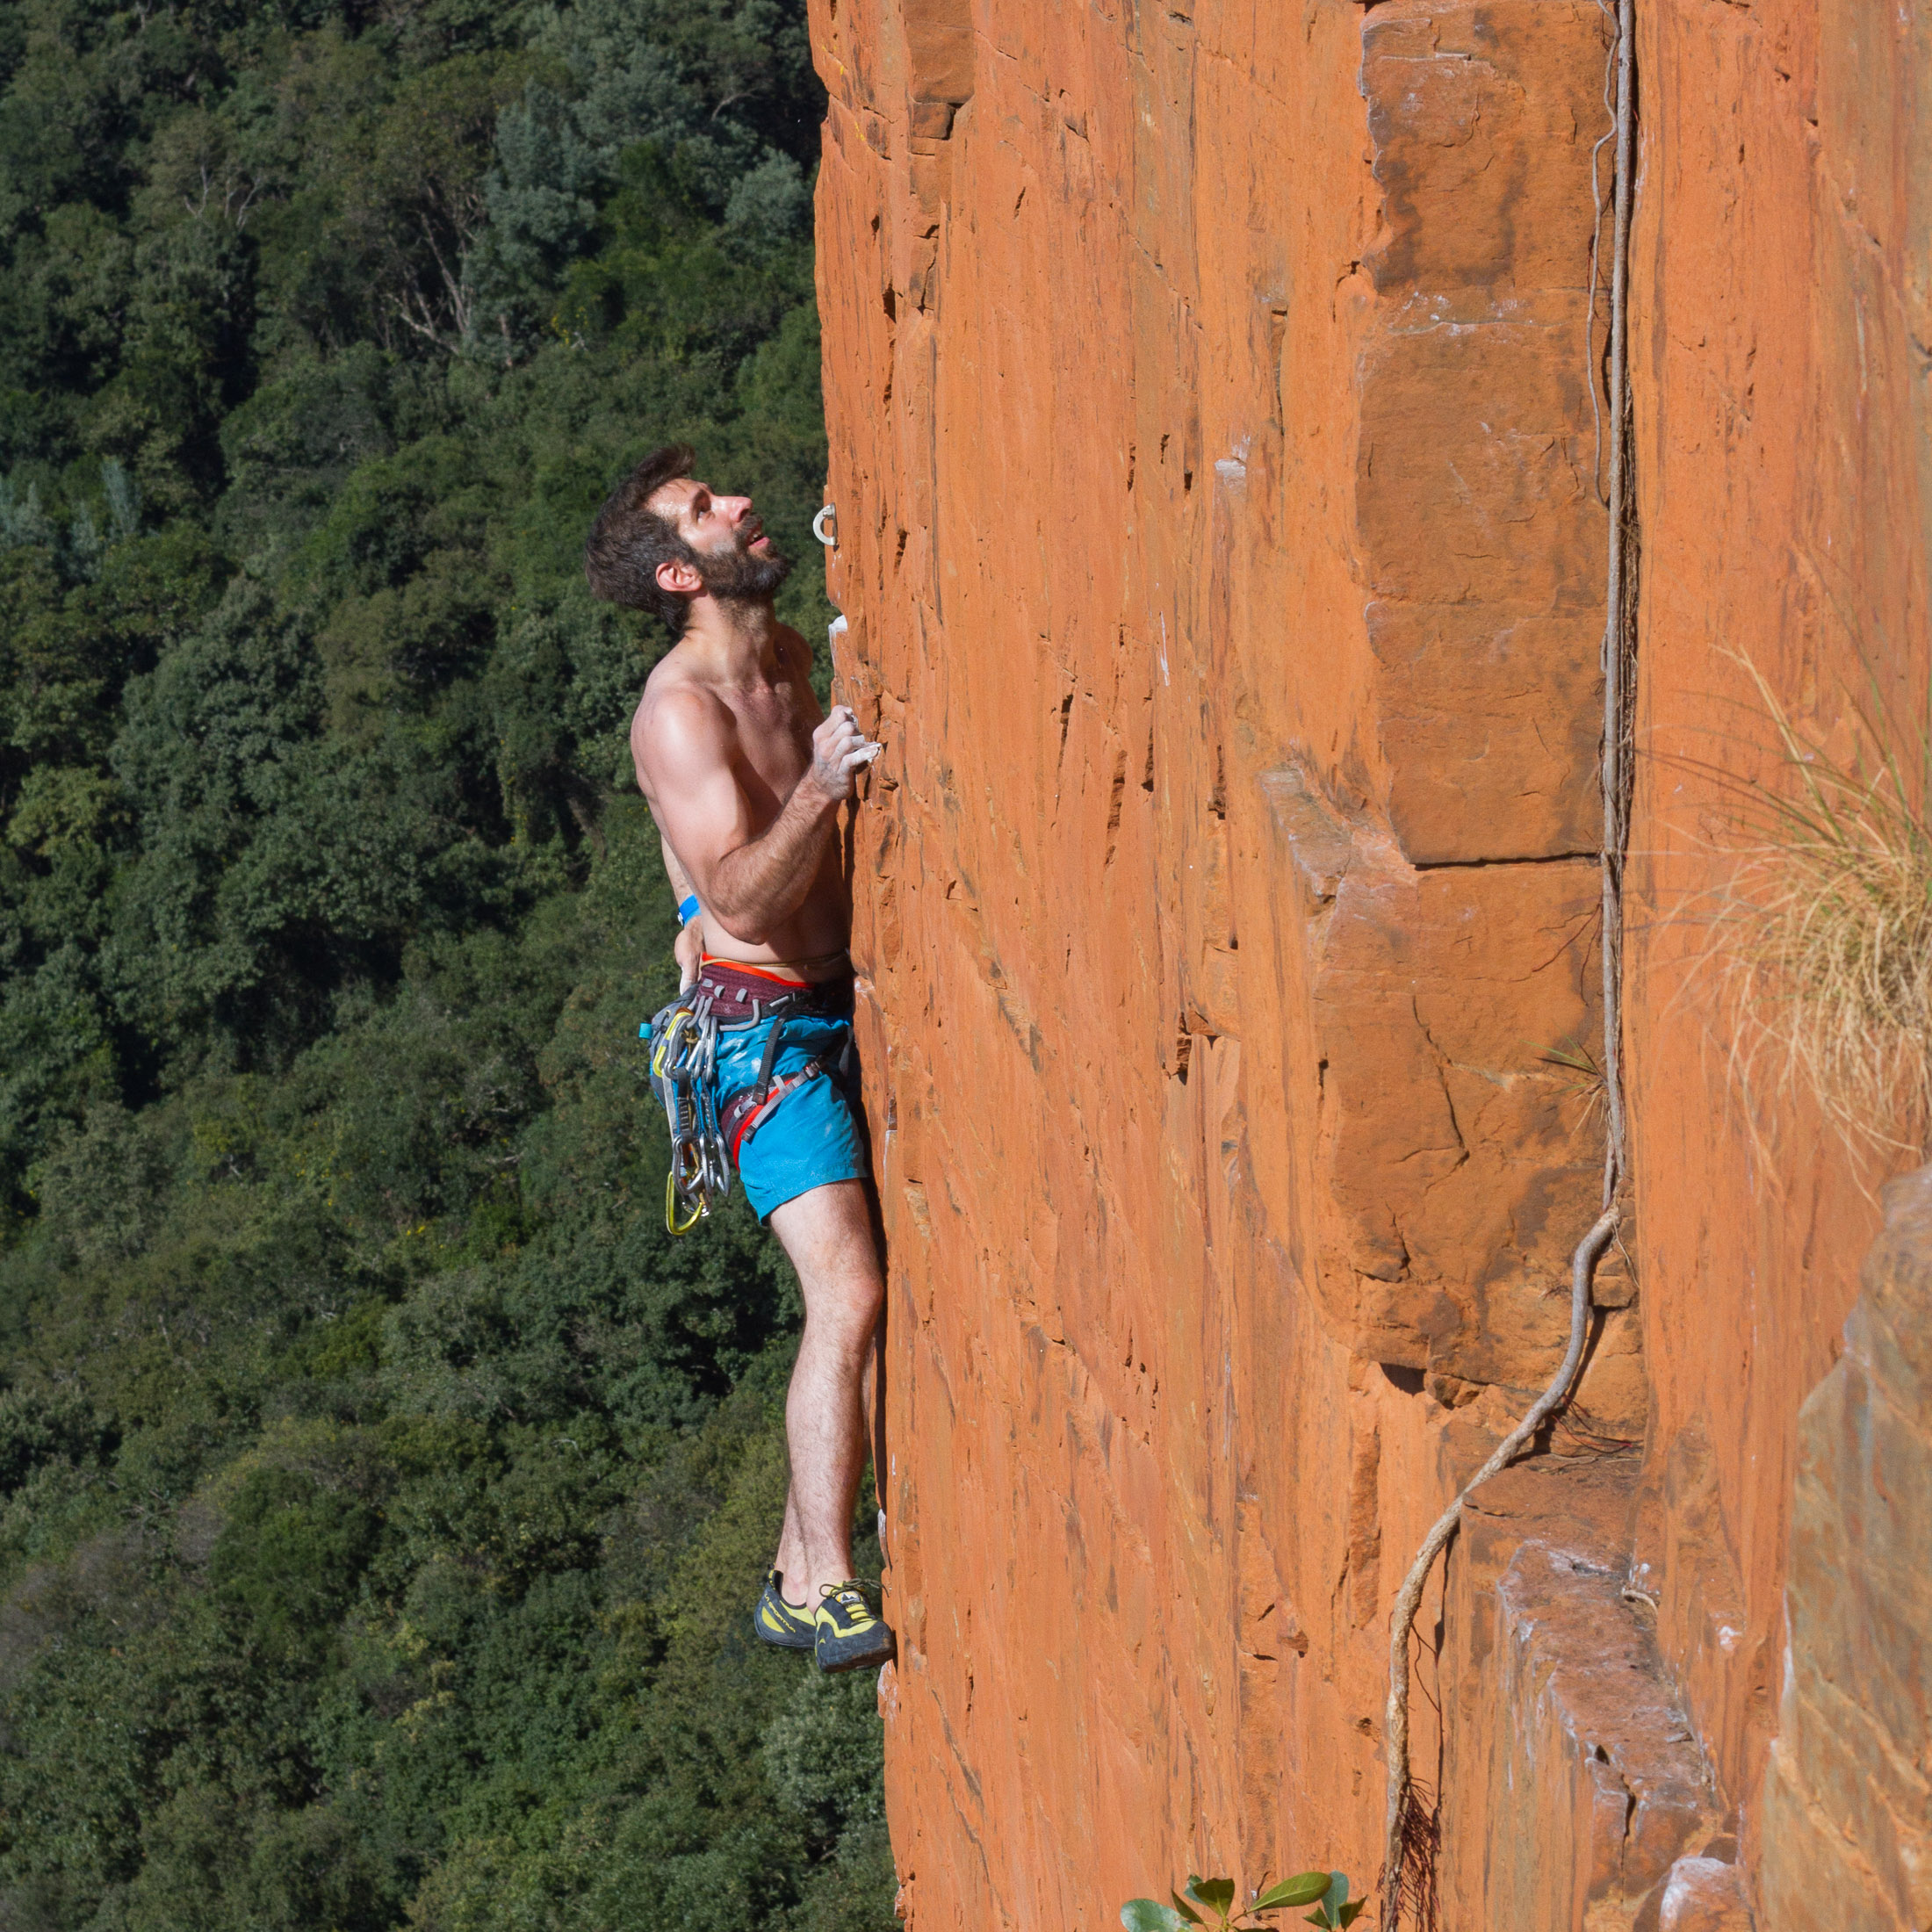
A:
708, 1131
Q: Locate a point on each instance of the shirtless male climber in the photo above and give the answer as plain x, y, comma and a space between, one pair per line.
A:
745, 777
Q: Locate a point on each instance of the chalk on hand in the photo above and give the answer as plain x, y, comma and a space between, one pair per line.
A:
867, 753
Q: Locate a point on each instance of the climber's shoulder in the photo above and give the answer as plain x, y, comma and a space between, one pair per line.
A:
681, 724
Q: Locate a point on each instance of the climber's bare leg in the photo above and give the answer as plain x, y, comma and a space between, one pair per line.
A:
874, 1413
827, 1234
790, 1561
872, 1394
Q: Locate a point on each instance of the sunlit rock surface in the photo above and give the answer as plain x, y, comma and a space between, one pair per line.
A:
1222, 548
1848, 1793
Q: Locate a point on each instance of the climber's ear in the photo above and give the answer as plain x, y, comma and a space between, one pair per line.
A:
680, 578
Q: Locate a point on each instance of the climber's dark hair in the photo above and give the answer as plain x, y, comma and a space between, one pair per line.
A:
628, 540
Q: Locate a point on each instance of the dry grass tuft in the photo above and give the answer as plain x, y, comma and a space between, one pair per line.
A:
1826, 939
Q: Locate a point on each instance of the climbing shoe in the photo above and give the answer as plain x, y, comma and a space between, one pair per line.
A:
848, 1634
778, 1623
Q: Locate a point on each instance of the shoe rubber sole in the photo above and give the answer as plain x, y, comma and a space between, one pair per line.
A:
878, 1648
850, 1634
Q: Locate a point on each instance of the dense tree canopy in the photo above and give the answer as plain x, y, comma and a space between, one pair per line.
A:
382, 1492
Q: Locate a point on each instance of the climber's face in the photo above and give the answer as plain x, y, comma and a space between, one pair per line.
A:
710, 522
733, 559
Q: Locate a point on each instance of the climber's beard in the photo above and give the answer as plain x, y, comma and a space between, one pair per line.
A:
741, 574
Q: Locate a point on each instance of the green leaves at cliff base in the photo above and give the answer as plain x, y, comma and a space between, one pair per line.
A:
1212, 1903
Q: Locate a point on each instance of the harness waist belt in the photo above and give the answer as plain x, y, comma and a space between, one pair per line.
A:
742, 993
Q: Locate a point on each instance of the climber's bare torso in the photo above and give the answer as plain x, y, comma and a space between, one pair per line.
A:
719, 751
744, 773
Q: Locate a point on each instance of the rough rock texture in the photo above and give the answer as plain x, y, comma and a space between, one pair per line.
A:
1704, 1895
1782, 286
1575, 1781
1220, 541
1848, 1791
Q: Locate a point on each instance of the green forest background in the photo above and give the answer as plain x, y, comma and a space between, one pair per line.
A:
383, 1494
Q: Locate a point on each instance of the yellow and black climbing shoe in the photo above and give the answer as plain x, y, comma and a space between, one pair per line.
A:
849, 1634
778, 1623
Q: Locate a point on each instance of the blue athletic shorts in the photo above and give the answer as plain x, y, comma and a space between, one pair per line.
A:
814, 1136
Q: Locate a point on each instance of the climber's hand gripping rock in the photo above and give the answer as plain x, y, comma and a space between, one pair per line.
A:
839, 749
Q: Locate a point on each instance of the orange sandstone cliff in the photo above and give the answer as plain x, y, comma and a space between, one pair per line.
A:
1221, 544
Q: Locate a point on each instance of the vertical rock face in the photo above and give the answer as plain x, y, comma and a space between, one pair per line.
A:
1780, 322
1222, 549
1848, 1792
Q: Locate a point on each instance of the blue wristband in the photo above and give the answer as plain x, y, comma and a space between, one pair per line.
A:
688, 909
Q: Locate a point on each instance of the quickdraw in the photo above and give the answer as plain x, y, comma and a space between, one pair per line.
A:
683, 1037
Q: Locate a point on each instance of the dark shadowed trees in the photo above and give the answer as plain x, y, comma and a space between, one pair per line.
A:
382, 1491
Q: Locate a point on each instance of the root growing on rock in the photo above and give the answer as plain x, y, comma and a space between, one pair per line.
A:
1406, 1845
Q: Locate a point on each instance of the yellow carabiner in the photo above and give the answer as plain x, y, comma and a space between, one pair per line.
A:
661, 1051
672, 1224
